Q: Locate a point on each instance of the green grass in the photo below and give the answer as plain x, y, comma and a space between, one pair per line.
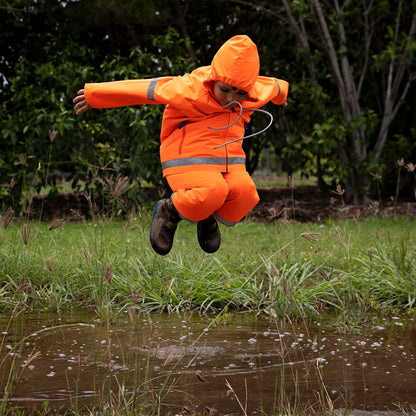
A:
293, 270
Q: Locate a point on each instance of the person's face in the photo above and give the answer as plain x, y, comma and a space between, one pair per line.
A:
225, 93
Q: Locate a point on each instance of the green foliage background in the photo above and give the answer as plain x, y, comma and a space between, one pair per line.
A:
51, 48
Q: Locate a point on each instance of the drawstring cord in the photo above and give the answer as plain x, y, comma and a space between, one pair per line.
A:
238, 118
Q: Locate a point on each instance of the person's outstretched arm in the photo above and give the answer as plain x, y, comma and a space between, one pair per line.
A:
122, 93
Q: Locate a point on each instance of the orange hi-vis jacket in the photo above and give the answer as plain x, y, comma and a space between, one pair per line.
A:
187, 141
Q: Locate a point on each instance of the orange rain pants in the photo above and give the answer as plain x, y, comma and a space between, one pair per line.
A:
229, 196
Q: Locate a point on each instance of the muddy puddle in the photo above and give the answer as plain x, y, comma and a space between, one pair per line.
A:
241, 364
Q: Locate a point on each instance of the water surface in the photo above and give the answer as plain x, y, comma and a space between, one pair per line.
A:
242, 363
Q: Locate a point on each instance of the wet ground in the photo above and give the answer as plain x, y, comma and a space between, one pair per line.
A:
238, 364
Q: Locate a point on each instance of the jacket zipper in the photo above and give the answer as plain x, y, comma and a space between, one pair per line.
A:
226, 148
181, 127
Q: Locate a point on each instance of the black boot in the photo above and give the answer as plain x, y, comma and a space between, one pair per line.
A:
209, 236
162, 231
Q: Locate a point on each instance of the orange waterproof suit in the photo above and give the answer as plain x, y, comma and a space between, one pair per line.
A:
205, 179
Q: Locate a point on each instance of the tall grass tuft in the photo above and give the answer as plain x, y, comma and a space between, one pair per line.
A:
301, 270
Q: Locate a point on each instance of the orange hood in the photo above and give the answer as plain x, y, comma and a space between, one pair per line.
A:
237, 63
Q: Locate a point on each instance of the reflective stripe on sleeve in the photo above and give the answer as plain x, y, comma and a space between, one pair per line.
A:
277, 86
151, 89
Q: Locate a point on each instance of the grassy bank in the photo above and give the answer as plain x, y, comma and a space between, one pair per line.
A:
293, 270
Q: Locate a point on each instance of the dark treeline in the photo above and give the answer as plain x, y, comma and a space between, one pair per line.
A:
351, 67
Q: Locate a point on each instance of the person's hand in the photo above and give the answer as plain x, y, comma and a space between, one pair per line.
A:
81, 103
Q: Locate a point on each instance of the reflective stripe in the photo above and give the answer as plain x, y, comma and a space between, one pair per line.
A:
151, 89
278, 86
223, 221
187, 161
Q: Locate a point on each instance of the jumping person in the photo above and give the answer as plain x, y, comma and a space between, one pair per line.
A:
201, 138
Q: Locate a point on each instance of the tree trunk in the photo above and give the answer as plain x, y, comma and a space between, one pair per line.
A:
359, 185
397, 88
350, 78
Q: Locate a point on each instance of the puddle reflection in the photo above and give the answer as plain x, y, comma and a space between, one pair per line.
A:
70, 360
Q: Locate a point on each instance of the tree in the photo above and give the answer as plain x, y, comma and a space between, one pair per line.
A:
394, 66
372, 66
41, 134
350, 65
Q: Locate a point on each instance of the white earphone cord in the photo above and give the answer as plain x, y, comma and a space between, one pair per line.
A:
238, 118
